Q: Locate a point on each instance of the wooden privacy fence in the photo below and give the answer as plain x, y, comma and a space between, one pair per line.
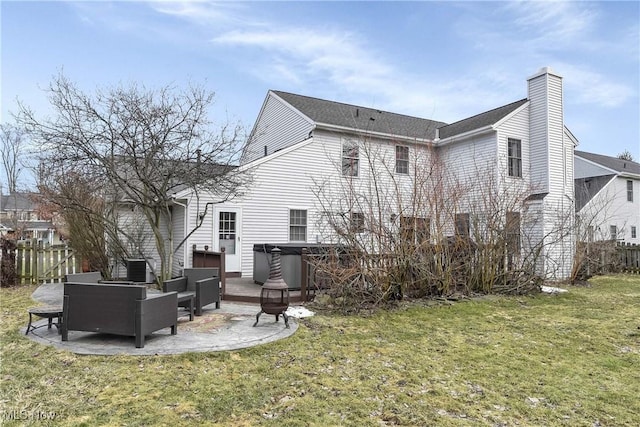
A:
629, 257
39, 263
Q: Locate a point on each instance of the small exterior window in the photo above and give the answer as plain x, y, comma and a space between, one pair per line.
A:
633, 232
629, 191
357, 222
462, 225
512, 228
402, 159
297, 225
515, 157
415, 229
350, 158
613, 230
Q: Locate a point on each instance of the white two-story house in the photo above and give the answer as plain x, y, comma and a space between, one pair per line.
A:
315, 160
607, 198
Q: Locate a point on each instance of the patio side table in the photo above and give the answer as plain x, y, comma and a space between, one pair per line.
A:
187, 301
46, 312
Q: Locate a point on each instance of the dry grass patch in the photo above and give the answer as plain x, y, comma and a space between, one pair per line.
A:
569, 359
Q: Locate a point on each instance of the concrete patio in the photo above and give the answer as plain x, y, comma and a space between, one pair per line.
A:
227, 328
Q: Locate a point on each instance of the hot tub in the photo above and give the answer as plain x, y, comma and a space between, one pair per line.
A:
291, 259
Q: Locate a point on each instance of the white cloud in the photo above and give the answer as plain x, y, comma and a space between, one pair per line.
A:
553, 21
589, 87
207, 14
337, 56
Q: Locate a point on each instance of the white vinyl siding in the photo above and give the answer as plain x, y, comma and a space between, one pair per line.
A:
277, 127
538, 132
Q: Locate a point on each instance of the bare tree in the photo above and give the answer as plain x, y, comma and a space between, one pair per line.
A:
423, 228
12, 151
626, 155
137, 147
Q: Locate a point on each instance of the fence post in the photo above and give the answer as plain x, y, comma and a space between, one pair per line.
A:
304, 273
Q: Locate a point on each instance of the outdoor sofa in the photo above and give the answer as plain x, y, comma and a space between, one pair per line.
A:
117, 309
202, 283
92, 277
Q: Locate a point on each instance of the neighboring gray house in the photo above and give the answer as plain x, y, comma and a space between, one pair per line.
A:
303, 146
607, 198
19, 216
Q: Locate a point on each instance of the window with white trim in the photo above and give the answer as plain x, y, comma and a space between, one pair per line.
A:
629, 191
633, 232
415, 229
357, 222
297, 225
402, 159
350, 158
512, 229
515, 157
613, 231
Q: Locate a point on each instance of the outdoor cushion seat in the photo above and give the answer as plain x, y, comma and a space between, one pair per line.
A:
117, 309
92, 277
204, 283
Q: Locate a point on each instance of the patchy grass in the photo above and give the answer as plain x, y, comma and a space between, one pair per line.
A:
569, 359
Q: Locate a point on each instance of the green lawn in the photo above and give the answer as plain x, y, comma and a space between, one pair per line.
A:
571, 359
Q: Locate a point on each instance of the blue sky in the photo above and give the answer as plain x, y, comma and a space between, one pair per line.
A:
438, 60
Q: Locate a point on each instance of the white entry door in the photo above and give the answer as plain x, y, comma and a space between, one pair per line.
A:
227, 236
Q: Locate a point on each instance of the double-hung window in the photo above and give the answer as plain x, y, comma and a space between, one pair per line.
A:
613, 231
350, 158
629, 191
515, 157
512, 229
402, 159
357, 222
297, 225
415, 229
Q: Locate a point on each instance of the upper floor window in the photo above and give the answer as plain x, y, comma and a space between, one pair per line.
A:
613, 230
633, 232
515, 157
402, 159
629, 191
350, 158
297, 225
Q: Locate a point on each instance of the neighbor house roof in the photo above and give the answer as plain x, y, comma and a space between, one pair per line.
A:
613, 163
17, 202
361, 118
479, 120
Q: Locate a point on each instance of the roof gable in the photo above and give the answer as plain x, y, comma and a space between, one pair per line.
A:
361, 118
613, 163
479, 121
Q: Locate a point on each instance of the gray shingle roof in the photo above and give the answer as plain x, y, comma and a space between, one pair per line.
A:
17, 202
362, 118
618, 165
480, 120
